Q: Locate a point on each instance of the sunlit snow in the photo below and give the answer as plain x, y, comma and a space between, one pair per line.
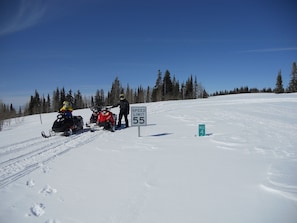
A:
244, 170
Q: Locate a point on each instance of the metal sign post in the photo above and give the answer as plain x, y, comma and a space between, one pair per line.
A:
138, 117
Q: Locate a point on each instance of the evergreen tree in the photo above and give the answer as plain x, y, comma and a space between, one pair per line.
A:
157, 91
196, 90
293, 82
116, 90
175, 89
43, 105
204, 94
189, 91
139, 97
12, 111
167, 86
35, 105
62, 97
48, 103
99, 98
56, 100
279, 84
183, 91
2, 114
78, 101
129, 94
148, 95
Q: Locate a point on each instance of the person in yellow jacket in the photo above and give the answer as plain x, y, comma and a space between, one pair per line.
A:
67, 109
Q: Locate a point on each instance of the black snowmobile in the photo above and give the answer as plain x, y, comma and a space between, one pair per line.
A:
66, 125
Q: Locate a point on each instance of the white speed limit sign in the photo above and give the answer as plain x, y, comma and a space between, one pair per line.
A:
138, 116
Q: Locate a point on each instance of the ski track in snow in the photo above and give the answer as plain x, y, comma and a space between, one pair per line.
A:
20, 159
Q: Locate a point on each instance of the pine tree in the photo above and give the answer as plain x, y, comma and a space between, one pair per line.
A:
116, 90
2, 114
157, 91
12, 111
35, 105
56, 100
129, 94
140, 95
175, 89
48, 104
99, 98
78, 101
62, 96
43, 105
189, 91
148, 95
205, 94
293, 82
279, 84
167, 86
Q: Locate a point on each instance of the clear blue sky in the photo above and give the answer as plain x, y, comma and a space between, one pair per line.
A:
83, 45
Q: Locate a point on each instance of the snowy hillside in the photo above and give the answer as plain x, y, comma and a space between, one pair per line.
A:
244, 170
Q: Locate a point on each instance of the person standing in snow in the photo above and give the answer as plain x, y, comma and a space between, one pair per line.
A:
124, 110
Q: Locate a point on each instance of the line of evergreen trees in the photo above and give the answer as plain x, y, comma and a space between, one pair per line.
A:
292, 87
279, 86
7, 112
40, 104
166, 88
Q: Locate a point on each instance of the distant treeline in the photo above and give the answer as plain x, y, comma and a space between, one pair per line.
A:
166, 88
279, 86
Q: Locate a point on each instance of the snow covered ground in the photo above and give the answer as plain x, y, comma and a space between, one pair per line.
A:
244, 170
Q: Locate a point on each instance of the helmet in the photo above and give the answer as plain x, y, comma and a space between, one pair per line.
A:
122, 96
65, 103
105, 110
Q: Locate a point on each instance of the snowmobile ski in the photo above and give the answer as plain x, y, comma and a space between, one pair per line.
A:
50, 134
68, 132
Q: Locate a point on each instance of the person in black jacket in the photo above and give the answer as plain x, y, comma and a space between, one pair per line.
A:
124, 110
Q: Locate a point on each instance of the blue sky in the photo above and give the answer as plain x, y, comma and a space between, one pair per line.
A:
84, 44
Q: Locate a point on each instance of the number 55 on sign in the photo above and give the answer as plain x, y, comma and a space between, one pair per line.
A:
138, 116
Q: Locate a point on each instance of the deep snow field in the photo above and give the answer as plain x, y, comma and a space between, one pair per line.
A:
243, 171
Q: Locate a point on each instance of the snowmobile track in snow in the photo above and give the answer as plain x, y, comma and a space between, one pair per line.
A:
20, 159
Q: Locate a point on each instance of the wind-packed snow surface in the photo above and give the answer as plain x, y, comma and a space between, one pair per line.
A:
244, 170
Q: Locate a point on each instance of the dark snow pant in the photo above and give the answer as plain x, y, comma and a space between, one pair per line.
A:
126, 119
69, 123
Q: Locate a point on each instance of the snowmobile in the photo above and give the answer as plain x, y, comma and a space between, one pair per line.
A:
102, 119
95, 112
66, 125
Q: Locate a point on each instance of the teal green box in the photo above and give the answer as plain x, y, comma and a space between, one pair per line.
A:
201, 129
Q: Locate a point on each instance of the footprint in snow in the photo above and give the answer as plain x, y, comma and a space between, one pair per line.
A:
38, 209
30, 183
45, 169
48, 190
